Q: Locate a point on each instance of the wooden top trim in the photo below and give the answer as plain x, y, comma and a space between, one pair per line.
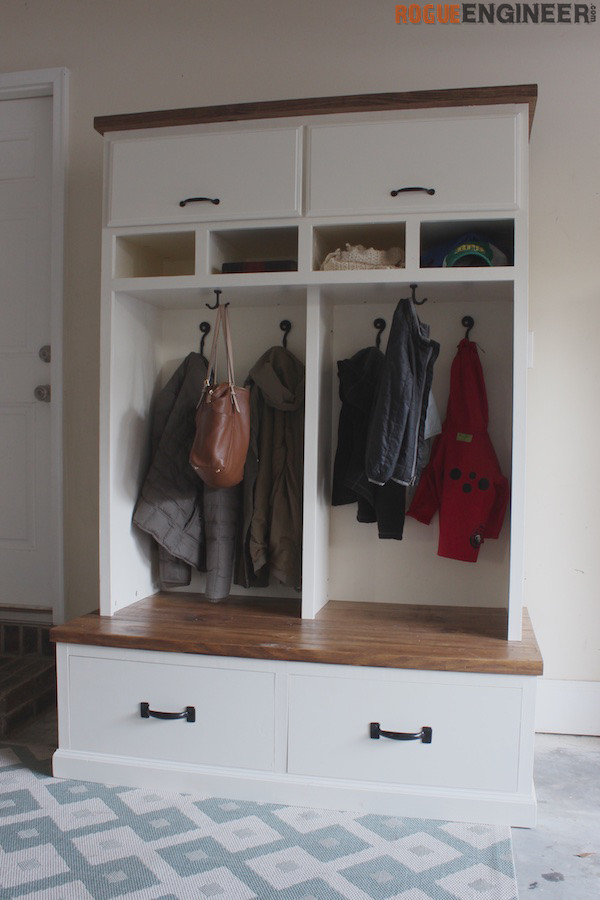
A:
311, 106
438, 638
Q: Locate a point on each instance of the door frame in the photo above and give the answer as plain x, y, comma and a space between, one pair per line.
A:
52, 83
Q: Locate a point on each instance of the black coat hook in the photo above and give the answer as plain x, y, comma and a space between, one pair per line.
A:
204, 328
467, 322
218, 300
286, 327
413, 288
380, 325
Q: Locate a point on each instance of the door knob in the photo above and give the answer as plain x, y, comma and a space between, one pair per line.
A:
42, 392
45, 353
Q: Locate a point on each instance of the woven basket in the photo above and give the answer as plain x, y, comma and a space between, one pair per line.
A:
355, 256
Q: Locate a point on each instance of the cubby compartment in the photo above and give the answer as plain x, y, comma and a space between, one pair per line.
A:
247, 250
409, 571
155, 255
387, 239
149, 344
467, 243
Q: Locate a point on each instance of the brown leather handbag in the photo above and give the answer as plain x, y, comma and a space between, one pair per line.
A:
218, 453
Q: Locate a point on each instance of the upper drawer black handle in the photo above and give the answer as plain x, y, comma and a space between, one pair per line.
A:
406, 189
189, 713
424, 735
214, 200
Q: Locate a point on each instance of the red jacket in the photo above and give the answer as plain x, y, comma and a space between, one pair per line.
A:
463, 479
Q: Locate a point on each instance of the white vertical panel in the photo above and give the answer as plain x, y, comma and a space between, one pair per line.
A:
520, 363
316, 456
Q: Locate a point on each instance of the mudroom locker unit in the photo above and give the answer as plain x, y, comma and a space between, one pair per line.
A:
395, 681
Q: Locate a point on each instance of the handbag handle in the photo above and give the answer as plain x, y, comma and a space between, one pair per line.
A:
211, 372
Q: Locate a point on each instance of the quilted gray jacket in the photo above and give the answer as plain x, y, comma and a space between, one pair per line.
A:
169, 506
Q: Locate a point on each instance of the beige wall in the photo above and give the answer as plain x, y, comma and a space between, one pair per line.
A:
130, 55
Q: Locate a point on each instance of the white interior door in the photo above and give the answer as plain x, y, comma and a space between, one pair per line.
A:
27, 526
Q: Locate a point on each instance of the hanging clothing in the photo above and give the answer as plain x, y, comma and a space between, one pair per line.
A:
271, 537
359, 379
169, 506
463, 478
396, 439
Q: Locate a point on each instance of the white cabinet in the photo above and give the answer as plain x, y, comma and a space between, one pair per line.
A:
300, 733
437, 165
302, 702
231, 175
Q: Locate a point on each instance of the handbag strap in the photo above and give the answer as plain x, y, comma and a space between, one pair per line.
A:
211, 372
229, 353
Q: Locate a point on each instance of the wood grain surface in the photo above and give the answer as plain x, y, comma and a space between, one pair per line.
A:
359, 634
312, 106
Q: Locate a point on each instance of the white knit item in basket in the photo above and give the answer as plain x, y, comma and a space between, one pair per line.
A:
355, 256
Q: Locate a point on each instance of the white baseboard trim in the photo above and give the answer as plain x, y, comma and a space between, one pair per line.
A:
450, 804
568, 707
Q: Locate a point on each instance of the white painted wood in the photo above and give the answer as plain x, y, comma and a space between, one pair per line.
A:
129, 371
368, 797
43, 86
469, 162
475, 730
252, 172
101, 738
568, 707
234, 711
31, 185
519, 399
313, 746
317, 489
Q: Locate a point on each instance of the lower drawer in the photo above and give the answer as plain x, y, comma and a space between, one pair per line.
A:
234, 711
475, 730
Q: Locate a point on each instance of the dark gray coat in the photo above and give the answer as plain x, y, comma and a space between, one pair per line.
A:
169, 506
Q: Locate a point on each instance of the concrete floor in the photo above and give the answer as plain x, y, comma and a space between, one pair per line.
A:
557, 860
560, 858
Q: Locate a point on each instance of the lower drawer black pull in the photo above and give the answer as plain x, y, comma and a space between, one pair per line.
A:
424, 735
189, 713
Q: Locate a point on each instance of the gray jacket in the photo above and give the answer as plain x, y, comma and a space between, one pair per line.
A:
169, 506
396, 447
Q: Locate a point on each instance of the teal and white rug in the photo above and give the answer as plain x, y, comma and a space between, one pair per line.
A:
74, 840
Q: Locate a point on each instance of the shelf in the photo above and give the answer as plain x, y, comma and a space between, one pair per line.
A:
360, 634
155, 255
251, 248
380, 236
439, 238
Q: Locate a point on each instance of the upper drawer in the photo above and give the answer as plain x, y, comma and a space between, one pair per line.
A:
253, 174
234, 711
470, 163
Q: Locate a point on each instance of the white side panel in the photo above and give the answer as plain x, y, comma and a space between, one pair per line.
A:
317, 488
126, 574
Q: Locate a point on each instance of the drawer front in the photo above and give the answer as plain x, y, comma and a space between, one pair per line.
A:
469, 163
253, 174
475, 732
234, 711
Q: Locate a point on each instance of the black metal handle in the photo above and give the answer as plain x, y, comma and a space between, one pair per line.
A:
424, 735
214, 200
407, 189
189, 713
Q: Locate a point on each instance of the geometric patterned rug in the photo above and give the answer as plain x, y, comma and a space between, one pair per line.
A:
74, 840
